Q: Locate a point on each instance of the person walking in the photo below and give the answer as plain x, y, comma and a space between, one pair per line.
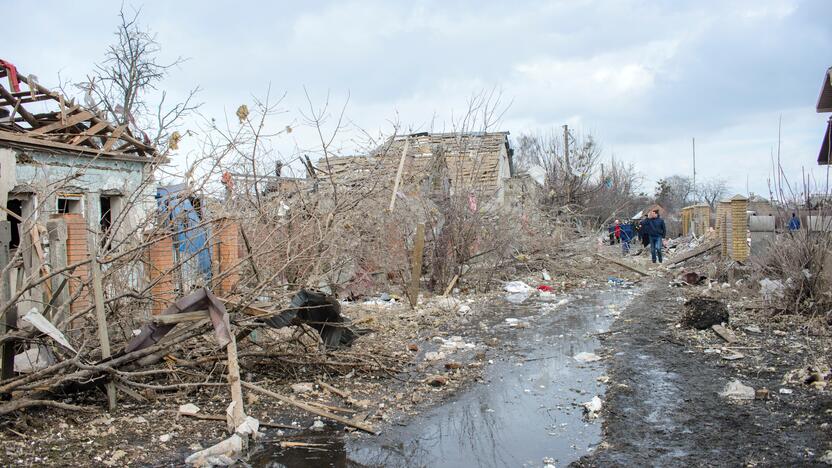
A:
642, 232
656, 229
625, 240
794, 223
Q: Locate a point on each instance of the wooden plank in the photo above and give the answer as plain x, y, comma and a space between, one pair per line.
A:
23, 139
237, 413
696, 252
724, 333
88, 133
416, 262
623, 264
341, 393
451, 285
114, 136
70, 121
100, 313
181, 317
311, 409
399, 172
28, 117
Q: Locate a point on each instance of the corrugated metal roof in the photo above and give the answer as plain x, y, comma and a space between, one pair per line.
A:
825, 98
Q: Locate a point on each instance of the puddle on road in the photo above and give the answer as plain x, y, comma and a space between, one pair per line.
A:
529, 406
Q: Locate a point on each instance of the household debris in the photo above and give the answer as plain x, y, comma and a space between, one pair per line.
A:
593, 407
587, 357
736, 390
702, 313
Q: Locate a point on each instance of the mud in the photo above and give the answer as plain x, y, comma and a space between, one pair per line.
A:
663, 408
528, 406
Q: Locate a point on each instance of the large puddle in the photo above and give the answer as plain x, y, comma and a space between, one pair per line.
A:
529, 407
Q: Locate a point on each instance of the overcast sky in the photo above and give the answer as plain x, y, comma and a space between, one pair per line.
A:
642, 76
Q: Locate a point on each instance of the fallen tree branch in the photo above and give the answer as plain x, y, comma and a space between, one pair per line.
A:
18, 405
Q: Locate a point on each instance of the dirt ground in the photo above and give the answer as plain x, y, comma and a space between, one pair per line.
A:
663, 406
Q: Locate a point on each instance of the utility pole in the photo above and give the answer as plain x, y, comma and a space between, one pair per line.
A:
568, 164
693, 143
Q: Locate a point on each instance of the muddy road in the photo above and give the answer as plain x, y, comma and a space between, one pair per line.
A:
529, 406
663, 406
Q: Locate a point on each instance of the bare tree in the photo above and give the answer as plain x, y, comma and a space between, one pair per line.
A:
123, 85
675, 192
569, 175
711, 191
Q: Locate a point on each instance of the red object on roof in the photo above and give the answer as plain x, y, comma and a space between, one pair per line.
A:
12, 70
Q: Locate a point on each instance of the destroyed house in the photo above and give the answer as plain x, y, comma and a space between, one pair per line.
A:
431, 164
58, 158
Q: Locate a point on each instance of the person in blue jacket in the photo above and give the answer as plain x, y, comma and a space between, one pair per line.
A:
794, 223
654, 227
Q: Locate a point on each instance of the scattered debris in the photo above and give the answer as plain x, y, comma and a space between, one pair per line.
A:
593, 407
702, 313
736, 390
587, 357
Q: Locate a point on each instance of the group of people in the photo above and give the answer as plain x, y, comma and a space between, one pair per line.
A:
650, 230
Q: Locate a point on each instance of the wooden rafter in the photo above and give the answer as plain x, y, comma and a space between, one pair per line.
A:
69, 126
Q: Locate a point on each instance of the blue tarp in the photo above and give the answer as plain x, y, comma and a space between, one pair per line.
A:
191, 238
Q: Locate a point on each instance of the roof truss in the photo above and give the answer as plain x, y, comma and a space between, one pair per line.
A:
69, 127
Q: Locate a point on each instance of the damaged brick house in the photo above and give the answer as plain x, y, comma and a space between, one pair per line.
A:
432, 164
59, 160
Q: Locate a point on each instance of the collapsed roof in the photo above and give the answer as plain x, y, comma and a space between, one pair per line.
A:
68, 127
471, 158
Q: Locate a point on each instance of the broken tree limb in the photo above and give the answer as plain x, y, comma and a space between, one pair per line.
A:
311, 409
623, 264
18, 405
341, 393
100, 314
451, 285
238, 412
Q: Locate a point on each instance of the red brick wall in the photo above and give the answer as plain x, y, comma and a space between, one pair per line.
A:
160, 263
226, 255
77, 250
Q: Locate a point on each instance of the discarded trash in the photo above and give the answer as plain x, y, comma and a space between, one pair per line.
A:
437, 380
753, 329
735, 390
587, 357
545, 288
188, 409
434, 356
732, 356
693, 278
318, 425
593, 407
321, 312
517, 298
33, 359
761, 394
786, 391
303, 387
224, 453
517, 287
517, 323
771, 289
546, 276
703, 312
164, 438
44, 325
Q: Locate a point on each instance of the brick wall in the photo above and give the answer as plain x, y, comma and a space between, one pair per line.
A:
226, 254
77, 250
739, 234
160, 262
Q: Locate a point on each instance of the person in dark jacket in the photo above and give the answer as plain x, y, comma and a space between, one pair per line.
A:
642, 232
655, 229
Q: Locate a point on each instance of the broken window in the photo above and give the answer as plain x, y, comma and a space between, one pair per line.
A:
16, 207
69, 204
110, 209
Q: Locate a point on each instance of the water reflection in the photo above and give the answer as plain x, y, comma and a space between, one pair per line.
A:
527, 409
